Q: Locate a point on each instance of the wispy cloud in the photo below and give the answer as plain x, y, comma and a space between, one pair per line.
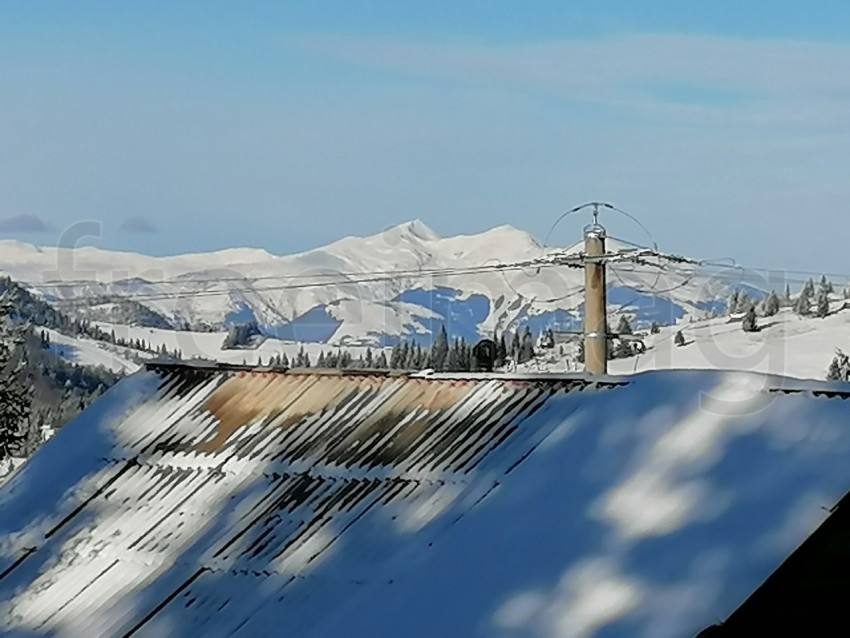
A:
23, 224
692, 77
139, 225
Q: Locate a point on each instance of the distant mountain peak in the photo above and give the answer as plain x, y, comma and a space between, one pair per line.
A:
416, 228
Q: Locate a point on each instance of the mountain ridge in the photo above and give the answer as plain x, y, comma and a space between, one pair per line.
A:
403, 282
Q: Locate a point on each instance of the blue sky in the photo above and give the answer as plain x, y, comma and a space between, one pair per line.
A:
189, 126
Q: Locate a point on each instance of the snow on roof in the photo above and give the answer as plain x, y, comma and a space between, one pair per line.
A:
191, 501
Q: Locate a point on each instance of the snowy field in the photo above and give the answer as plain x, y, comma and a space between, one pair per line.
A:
208, 345
88, 352
787, 345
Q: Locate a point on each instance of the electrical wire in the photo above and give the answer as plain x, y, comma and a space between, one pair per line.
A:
209, 279
379, 276
365, 279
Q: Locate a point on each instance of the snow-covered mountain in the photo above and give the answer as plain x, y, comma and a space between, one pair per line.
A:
403, 282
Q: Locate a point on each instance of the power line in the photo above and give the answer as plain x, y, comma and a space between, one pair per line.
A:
365, 277
379, 276
182, 280
190, 294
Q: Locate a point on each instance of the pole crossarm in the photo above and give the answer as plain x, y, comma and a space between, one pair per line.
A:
578, 260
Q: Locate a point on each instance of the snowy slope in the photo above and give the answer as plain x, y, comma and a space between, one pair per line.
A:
88, 352
786, 345
650, 511
207, 345
241, 284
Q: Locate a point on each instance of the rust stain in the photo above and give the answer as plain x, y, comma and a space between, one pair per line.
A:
411, 396
245, 399
287, 399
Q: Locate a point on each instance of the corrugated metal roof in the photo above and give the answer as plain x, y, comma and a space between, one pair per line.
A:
204, 501
254, 474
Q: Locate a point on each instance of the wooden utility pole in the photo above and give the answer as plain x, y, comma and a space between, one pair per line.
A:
595, 328
594, 259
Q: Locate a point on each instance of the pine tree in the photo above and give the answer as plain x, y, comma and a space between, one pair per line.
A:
513, 352
453, 358
809, 288
826, 285
749, 324
440, 350
624, 327
368, 361
679, 339
787, 294
381, 361
822, 302
468, 359
526, 347
501, 351
404, 355
410, 362
803, 304
771, 304
839, 369
732, 304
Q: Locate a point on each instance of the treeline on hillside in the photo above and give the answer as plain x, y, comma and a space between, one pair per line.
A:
443, 356
812, 301
123, 311
37, 388
29, 309
142, 345
60, 389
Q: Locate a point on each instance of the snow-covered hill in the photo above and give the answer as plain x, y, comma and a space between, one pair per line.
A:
786, 344
204, 345
403, 282
88, 352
